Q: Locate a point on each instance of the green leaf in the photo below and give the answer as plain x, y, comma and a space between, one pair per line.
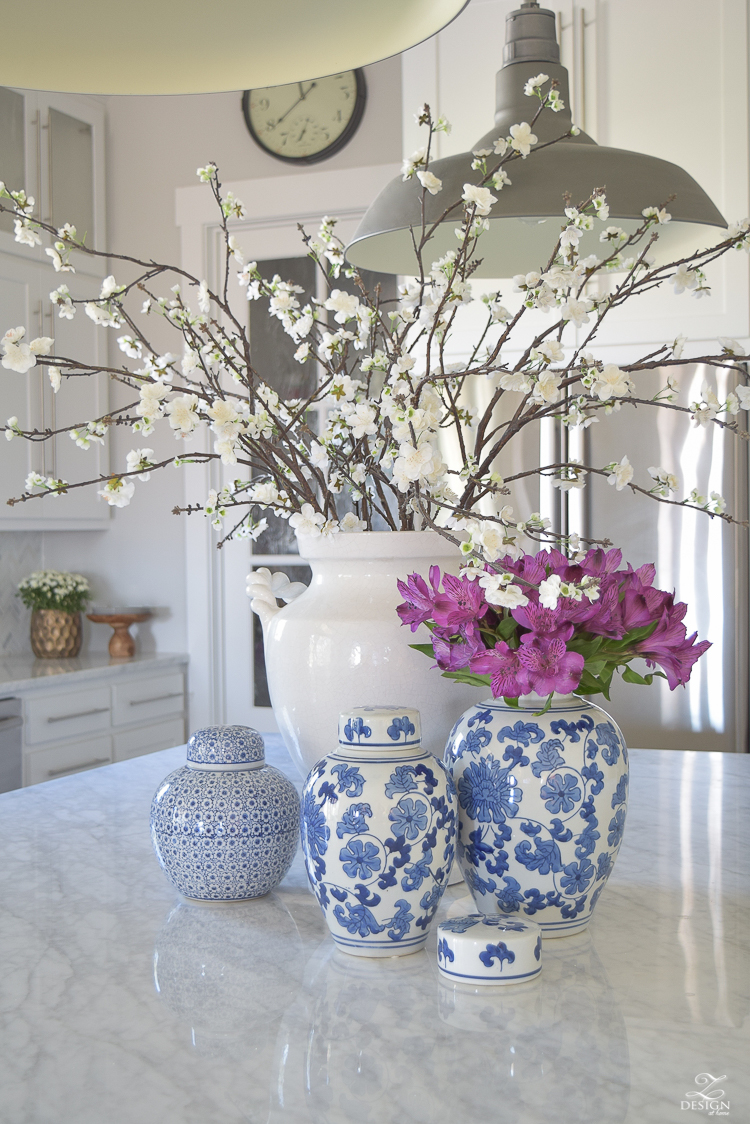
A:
510, 702
507, 627
425, 649
465, 676
594, 667
585, 648
631, 676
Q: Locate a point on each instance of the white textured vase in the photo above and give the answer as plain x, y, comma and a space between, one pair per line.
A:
341, 644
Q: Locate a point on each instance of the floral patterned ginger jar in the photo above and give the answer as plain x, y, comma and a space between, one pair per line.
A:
542, 800
224, 826
378, 827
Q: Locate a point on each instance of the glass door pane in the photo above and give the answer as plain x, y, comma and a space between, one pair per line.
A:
71, 173
12, 146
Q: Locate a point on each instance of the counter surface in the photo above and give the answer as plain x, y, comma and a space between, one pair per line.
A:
119, 1003
25, 672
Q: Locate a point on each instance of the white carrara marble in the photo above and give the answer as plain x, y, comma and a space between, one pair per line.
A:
25, 672
119, 1003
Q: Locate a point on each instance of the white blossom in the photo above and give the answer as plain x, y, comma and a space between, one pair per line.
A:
182, 414
479, 197
522, 138
140, 459
550, 591
117, 492
533, 84
611, 382
308, 521
665, 482
343, 304
350, 523
19, 356
620, 474
577, 311
430, 182
684, 278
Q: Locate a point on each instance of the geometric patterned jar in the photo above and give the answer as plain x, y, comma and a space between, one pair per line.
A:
225, 826
542, 800
55, 634
378, 827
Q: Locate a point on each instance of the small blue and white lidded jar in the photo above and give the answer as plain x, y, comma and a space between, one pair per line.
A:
489, 950
224, 826
378, 827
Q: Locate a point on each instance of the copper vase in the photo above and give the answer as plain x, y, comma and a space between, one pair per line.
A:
55, 634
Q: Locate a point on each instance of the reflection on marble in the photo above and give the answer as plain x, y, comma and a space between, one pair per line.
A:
380, 1044
258, 1019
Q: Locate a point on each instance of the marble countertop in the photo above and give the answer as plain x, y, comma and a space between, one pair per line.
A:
19, 673
119, 1003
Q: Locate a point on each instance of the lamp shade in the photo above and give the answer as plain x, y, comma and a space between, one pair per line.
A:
159, 47
525, 220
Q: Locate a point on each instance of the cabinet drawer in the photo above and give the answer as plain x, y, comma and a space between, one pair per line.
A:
62, 760
147, 698
66, 714
149, 739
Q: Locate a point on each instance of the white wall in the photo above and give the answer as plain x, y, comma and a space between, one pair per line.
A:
154, 145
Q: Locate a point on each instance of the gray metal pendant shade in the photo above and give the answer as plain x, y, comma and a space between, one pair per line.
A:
193, 47
526, 217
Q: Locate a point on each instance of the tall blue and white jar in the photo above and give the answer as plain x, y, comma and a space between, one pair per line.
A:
378, 828
225, 825
542, 800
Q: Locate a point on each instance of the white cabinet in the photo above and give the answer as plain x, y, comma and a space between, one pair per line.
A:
97, 713
53, 146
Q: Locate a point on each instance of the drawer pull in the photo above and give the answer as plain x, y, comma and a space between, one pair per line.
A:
78, 768
156, 698
79, 714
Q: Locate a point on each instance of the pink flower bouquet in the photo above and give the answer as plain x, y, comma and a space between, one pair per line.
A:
544, 623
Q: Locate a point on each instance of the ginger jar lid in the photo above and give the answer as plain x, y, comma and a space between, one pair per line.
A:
226, 745
380, 727
489, 950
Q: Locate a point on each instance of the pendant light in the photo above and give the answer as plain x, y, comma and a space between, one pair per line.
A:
524, 220
192, 47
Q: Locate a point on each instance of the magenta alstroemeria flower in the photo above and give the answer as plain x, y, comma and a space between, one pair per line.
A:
509, 677
420, 601
462, 601
670, 647
550, 666
545, 622
599, 562
642, 605
602, 617
453, 654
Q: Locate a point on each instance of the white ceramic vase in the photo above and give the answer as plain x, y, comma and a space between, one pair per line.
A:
341, 644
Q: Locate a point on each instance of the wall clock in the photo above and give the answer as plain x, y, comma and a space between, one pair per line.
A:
304, 122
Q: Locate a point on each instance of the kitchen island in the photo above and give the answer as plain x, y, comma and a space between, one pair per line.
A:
121, 1004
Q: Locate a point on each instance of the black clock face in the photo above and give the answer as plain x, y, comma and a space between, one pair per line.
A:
306, 121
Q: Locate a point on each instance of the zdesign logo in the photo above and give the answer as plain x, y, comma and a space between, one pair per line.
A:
707, 1097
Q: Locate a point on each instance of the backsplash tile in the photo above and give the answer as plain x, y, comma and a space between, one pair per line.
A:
20, 554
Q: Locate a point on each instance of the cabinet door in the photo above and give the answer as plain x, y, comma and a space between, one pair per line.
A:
62, 760
53, 146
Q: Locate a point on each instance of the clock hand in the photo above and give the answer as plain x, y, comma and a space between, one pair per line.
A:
299, 99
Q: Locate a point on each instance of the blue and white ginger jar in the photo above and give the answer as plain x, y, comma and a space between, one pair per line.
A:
378, 827
542, 801
224, 826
